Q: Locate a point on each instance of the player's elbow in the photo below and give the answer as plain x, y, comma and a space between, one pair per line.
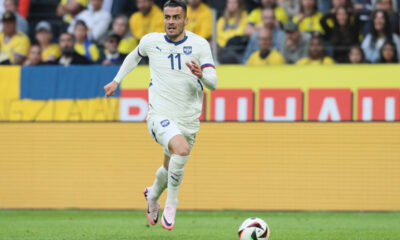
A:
211, 82
212, 87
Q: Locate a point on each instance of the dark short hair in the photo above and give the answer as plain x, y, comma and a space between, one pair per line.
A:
66, 33
81, 23
176, 3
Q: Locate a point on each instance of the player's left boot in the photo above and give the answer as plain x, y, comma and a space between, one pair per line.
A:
168, 217
153, 208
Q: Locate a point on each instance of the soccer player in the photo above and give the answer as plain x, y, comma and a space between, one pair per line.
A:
180, 64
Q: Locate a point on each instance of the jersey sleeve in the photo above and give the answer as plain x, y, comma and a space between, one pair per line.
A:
207, 66
143, 45
206, 59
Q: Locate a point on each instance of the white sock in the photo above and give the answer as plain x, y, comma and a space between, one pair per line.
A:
175, 175
160, 184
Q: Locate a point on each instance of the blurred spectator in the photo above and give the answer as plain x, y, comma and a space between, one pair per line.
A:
83, 45
316, 54
148, 19
4, 58
13, 42
255, 15
50, 51
111, 54
388, 53
347, 4
200, 18
356, 55
120, 26
266, 55
269, 21
344, 32
295, 45
68, 9
107, 5
96, 19
68, 55
309, 17
34, 56
365, 8
380, 33
232, 23
292, 7
22, 24
390, 6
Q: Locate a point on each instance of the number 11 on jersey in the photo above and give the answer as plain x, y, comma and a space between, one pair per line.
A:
178, 56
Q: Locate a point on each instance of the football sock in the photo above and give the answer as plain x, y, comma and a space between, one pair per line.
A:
175, 175
160, 184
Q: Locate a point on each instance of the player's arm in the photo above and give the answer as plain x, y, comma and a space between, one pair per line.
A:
206, 71
130, 62
207, 75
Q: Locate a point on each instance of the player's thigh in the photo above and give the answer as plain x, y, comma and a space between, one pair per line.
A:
162, 130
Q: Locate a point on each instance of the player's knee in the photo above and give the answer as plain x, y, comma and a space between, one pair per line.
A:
182, 150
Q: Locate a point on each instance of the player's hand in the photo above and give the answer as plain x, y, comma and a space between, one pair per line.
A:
110, 88
195, 69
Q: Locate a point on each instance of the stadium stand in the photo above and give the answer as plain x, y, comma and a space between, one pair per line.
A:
345, 25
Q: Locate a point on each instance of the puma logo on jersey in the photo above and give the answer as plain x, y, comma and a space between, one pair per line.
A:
159, 49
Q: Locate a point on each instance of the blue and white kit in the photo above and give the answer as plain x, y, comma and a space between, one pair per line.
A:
175, 93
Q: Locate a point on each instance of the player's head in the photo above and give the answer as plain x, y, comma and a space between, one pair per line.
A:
175, 18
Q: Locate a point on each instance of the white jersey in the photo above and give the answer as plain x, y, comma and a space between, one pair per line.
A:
174, 90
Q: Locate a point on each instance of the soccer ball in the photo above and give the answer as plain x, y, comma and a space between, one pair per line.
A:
254, 229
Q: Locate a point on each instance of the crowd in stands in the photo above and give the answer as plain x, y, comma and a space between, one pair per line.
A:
251, 32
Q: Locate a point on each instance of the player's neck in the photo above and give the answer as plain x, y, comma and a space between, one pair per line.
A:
178, 38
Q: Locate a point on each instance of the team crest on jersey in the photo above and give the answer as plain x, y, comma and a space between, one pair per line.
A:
187, 50
165, 123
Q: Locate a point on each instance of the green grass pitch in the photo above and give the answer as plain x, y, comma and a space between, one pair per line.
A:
199, 225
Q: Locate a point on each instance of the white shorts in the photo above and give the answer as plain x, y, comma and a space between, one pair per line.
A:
163, 129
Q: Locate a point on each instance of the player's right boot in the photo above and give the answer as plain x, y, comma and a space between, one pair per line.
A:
153, 208
168, 217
